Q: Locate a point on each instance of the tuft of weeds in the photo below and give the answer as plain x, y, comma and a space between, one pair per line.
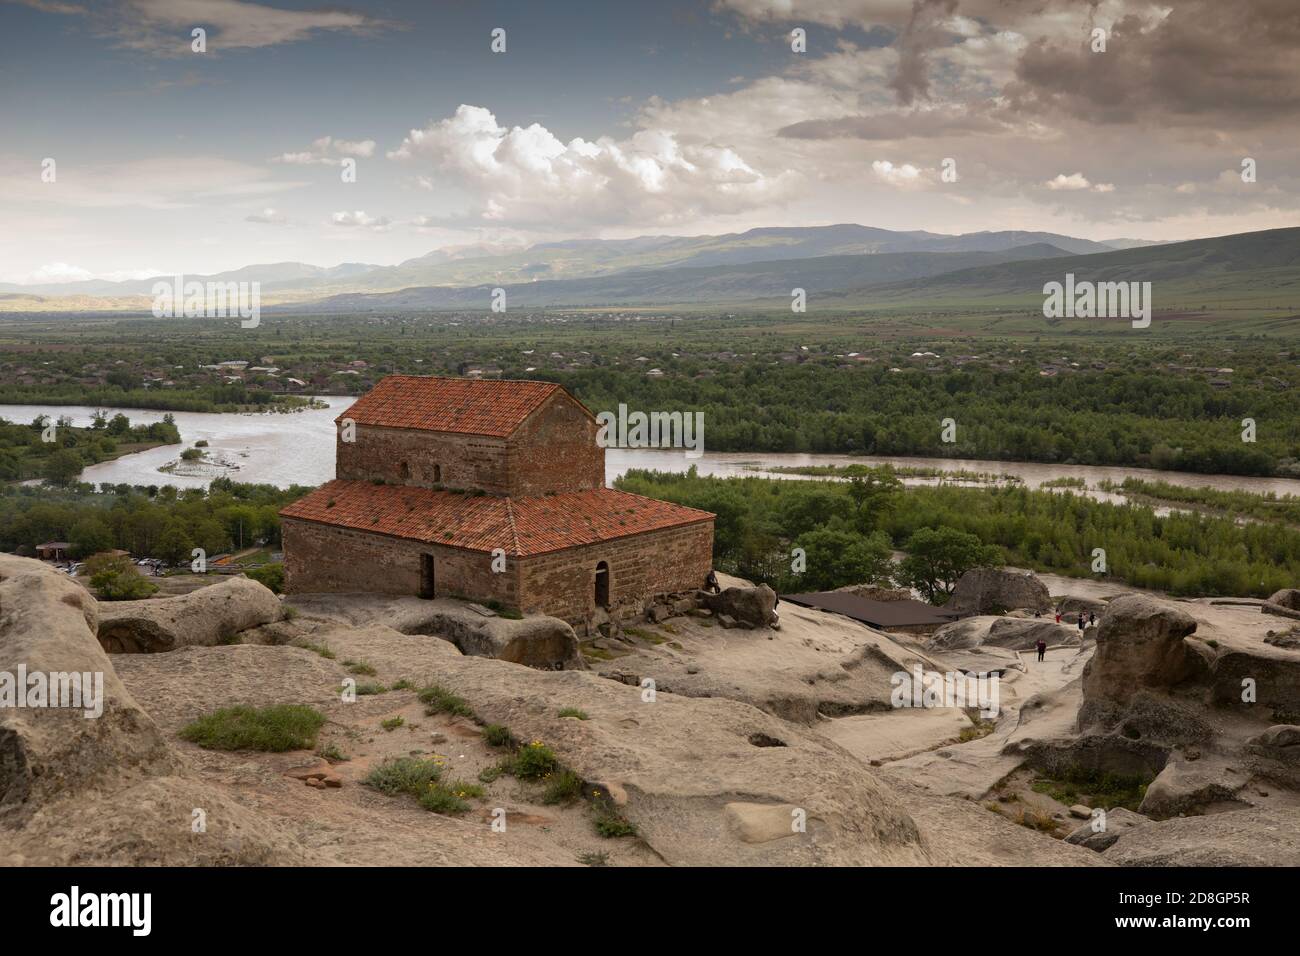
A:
359, 667
409, 775
392, 723
272, 729
439, 700
594, 859
609, 823
1094, 788
332, 753
494, 772
533, 761
498, 735
320, 649
562, 787
573, 712
404, 684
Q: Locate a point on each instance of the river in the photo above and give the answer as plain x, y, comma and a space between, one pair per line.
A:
298, 448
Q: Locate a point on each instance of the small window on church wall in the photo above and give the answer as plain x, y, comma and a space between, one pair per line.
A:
437, 474
406, 471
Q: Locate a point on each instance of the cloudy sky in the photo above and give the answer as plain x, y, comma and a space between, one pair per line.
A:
615, 119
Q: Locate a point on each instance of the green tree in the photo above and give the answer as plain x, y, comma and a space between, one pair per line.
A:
62, 467
89, 536
937, 557
836, 557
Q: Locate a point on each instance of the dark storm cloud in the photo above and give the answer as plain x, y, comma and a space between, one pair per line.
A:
1207, 61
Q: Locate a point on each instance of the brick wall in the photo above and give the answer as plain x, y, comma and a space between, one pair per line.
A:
563, 584
408, 456
323, 558
555, 450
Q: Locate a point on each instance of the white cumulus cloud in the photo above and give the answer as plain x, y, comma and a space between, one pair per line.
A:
526, 175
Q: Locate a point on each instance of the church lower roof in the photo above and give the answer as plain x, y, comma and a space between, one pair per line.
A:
480, 522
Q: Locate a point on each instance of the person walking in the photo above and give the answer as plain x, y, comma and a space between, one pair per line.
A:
1082, 624
1092, 619
1042, 648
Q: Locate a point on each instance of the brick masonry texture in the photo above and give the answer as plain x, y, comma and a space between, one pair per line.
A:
526, 453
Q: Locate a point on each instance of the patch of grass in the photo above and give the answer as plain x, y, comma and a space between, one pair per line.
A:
981, 728
533, 761
1093, 788
332, 753
498, 735
596, 653
643, 635
574, 712
562, 786
441, 800
273, 729
290, 612
392, 723
609, 823
359, 667
494, 772
1035, 820
439, 700
410, 775
594, 859
404, 684
320, 649
369, 689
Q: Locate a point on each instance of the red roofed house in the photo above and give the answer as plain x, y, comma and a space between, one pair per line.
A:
490, 490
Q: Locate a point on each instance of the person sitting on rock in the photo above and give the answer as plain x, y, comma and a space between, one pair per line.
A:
711, 582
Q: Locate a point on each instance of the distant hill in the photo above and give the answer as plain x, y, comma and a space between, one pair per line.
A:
1252, 266
580, 258
689, 285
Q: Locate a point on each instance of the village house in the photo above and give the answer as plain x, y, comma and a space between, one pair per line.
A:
491, 490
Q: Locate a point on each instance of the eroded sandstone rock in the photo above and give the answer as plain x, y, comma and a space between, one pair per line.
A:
203, 618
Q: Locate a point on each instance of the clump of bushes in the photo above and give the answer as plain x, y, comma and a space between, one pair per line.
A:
269, 576
273, 729
115, 578
439, 700
422, 779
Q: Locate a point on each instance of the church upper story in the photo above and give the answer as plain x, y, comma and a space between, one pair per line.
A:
514, 438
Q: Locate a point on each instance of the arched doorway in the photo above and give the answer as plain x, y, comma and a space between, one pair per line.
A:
602, 584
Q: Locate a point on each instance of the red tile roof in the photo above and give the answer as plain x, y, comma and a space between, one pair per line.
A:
520, 526
465, 405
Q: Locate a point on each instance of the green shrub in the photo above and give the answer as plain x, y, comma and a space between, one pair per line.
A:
269, 576
115, 578
274, 729
534, 761
439, 700
498, 735
573, 712
392, 723
410, 775
359, 667
563, 786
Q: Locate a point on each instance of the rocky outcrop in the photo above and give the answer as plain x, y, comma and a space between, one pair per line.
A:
48, 751
1275, 755
1248, 837
1071, 608
1140, 644
1288, 598
105, 789
535, 641
203, 618
1015, 633
750, 607
1101, 832
997, 590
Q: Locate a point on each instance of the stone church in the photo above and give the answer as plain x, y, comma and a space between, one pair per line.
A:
492, 491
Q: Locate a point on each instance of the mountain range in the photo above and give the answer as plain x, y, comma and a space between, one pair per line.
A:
843, 265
